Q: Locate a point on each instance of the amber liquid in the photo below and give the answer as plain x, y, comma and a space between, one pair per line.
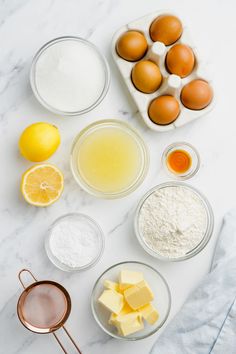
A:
179, 161
44, 306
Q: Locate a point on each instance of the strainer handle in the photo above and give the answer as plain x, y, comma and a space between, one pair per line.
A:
71, 339
60, 343
25, 271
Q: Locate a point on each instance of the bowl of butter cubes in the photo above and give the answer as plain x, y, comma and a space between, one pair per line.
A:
131, 301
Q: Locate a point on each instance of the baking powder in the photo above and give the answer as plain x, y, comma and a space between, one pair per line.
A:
74, 242
173, 221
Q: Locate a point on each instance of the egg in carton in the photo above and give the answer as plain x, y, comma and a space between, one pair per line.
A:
171, 84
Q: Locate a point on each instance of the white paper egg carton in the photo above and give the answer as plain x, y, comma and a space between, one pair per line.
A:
171, 84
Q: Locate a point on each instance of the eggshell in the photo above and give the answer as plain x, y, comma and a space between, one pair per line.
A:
164, 110
166, 29
180, 60
131, 46
146, 76
196, 95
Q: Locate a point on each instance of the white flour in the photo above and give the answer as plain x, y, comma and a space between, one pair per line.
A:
74, 242
173, 221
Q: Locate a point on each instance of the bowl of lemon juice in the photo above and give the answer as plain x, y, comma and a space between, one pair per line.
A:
109, 159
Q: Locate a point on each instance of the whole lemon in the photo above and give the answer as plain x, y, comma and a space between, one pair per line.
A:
39, 141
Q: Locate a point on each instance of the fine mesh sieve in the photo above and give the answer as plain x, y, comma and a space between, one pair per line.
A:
43, 307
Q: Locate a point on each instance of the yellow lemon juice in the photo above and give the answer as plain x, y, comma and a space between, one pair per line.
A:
109, 159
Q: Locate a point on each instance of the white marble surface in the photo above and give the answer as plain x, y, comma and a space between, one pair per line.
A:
25, 25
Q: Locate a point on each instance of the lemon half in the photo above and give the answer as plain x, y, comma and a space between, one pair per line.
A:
42, 184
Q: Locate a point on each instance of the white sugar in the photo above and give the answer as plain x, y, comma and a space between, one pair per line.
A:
69, 75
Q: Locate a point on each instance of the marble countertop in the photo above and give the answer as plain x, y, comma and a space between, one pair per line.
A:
25, 25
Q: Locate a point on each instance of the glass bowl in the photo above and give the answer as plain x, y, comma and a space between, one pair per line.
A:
96, 52
195, 160
86, 220
159, 286
114, 124
203, 242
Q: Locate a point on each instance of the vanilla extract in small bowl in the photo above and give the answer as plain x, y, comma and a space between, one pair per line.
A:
181, 160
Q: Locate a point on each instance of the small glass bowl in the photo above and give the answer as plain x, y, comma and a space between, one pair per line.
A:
195, 160
33, 71
203, 242
159, 286
109, 123
85, 219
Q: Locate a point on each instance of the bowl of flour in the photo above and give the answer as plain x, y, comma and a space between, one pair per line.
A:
173, 221
74, 242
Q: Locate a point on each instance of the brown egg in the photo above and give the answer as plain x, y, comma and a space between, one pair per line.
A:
197, 94
146, 76
180, 60
164, 110
167, 29
131, 45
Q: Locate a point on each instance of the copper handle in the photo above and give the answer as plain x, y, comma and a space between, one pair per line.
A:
71, 339
26, 271
59, 342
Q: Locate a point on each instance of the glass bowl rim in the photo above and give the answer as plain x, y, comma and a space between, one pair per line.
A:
33, 70
169, 300
62, 266
209, 229
172, 146
141, 144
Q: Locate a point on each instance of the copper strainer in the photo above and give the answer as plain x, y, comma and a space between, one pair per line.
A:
43, 307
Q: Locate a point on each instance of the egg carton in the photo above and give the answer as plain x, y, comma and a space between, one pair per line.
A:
171, 84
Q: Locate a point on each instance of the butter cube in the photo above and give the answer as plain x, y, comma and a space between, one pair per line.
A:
149, 313
129, 323
128, 278
112, 300
108, 284
125, 309
138, 295
112, 319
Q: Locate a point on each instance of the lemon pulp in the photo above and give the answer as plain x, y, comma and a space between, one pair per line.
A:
42, 184
109, 159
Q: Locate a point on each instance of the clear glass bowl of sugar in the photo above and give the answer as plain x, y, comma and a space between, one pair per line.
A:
160, 289
74, 242
69, 76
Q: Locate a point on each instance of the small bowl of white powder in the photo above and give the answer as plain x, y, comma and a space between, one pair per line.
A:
69, 76
74, 242
174, 221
